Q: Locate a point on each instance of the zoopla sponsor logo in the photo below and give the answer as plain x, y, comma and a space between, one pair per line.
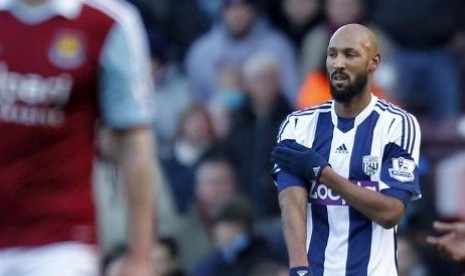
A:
321, 194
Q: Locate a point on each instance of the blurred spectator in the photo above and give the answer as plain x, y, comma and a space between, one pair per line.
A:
111, 203
254, 128
228, 98
427, 74
172, 95
186, 20
240, 34
238, 251
338, 13
297, 17
194, 141
215, 184
409, 259
166, 255
450, 186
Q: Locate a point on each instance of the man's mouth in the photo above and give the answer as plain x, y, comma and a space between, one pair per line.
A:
339, 78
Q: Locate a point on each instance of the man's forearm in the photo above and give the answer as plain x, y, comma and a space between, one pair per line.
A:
137, 166
384, 210
293, 202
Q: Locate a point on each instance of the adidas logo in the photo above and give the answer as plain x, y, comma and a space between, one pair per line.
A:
342, 149
316, 170
302, 272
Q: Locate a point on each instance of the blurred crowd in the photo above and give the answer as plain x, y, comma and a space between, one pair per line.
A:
228, 72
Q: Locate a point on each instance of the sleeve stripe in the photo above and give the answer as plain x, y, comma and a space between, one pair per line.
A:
408, 126
413, 139
283, 126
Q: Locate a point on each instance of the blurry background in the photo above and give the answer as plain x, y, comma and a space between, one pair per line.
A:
228, 72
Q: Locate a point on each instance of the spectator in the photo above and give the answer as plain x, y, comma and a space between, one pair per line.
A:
254, 127
66, 65
297, 17
409, 258
238, 251
240, 34
110, 196
166, 254
427, 74
194, 142
215, 184
172, 95
338, 13
228, 98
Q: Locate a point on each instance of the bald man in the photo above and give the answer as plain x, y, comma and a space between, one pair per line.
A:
346, 169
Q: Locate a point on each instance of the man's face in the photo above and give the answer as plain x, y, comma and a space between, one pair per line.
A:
239, 19
347, 64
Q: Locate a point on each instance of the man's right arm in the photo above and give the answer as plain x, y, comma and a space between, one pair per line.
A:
293, 202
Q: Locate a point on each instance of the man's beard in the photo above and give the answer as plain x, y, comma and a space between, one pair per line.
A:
346, 94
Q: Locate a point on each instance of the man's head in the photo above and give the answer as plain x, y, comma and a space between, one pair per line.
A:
239, 16
234, 219
215, 184
351, 59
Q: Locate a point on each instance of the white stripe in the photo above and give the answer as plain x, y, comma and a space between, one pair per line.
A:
338, 243
382, 255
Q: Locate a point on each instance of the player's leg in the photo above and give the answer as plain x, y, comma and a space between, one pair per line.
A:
61, 259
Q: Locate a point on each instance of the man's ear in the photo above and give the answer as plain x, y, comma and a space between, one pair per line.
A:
374, 62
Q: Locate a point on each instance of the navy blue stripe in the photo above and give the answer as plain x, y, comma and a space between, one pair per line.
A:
320, 232
282, 127
360, 228
395, 250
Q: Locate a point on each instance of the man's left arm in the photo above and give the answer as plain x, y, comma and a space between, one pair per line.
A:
125, 96
382, 209
135, 155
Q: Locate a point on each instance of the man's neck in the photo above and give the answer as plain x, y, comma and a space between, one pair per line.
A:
354, 107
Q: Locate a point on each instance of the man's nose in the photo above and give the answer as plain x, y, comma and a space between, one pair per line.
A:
339, 62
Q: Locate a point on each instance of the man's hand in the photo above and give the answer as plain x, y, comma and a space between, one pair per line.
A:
452, 243
298, 160
300, 271
131, 265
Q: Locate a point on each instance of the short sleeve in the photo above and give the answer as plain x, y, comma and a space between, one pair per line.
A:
400, 159
281, 178
125, 81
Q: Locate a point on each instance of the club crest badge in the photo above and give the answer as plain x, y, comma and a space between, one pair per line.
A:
68, 49
402, 169
370, 164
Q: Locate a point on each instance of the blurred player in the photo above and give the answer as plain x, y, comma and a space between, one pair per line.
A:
63, 66
346, 169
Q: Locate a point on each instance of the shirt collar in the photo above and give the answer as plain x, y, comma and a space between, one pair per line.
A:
67, 8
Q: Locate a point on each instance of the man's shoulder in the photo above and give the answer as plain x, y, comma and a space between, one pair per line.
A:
313, 110
388, 109
119, 11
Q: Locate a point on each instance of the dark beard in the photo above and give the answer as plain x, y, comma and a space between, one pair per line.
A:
345, 95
